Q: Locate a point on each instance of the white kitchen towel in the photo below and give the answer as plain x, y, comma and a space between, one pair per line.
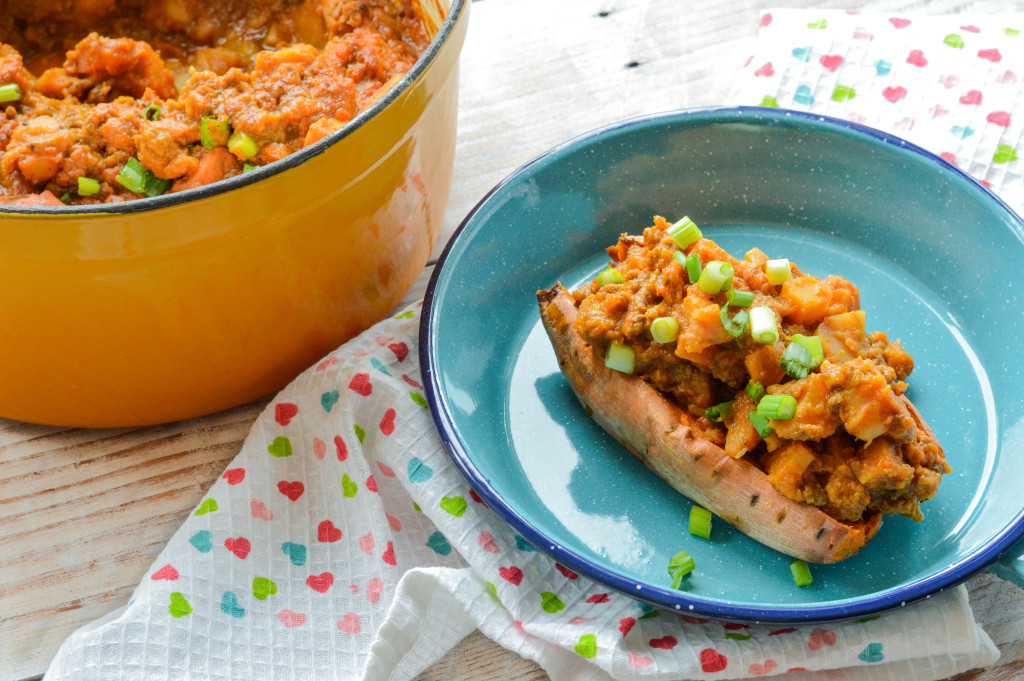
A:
343, 544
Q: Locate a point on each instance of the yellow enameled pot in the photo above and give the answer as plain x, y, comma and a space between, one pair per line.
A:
185, 304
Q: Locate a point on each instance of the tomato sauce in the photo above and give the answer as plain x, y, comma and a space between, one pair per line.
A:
101, 82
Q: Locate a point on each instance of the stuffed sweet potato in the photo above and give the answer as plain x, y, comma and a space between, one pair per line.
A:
750, 387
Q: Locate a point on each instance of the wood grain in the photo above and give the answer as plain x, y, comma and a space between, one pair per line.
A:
83, 513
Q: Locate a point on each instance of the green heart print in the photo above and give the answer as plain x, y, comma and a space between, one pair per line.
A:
179, 606
455, 506
280, 447
262, 587
587, 647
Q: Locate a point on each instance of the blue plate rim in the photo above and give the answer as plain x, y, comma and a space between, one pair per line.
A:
673, 600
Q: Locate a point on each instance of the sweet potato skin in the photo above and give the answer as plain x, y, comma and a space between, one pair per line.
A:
658, 433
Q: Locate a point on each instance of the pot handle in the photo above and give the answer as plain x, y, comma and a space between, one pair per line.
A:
1010, 565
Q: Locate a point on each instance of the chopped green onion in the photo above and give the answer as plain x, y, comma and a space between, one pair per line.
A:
610, 276
756, 391
87, 186
65, 197
242, 146
156, 186
813, 345
665, 329
132, 176
760, 423
716, 277
778, 407
740, 298
214, 132
736, 326
679, 566
152, 112
693, 268
700, 521
248, 168
718, 412
685, 232
762, 325
620, 357
796, 360
801, 573
778, 271
137, 179
11, 92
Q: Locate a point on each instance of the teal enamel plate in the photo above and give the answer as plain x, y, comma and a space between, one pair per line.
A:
938, 260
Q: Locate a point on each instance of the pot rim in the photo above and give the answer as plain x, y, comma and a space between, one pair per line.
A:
144, 204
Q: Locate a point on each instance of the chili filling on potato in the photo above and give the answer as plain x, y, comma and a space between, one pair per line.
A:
108, 100
824, 421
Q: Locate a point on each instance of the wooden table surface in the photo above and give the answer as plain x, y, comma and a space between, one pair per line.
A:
84, 512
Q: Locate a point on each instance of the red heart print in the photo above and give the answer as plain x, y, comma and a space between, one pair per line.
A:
239, 546
905, 123
971, 98
386, 470
667, 643
340, 447
970, 28
569, 574
949, 82
293, 490
831, 61
327, 532
787, 630
371, 484
712, 661
937, 111
326, 364
690, 619
374, 588
626, 624
512, 575
320, 583
382, 340
899, 23
1000, 118
411, 382
948, 158
992, 55
599, 598
389, 554
581, 620
166, 572
766, 19
350, 624
636, 660
486, 541
366, 543
861, 33
916, 57
734, 626
767, 71
360, 383
387, 424
820, 638
284, 412
319, 448
400, 349
1007, 77
394, 523
260, 511
234, 475
761, 669
476, 497
894, 94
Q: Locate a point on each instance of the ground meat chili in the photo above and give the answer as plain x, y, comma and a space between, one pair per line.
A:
849, 445
108, 100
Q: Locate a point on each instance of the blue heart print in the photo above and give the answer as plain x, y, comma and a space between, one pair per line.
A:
229, 605
202, 541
